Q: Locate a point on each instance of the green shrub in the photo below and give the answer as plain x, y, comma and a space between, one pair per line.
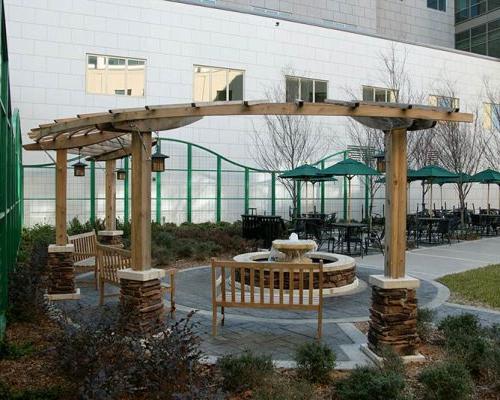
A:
315, 361
245, 371
464, 324
393, 362
472, 351
371, 384
447, 380
12, 351
281, 388
51, 393
425, 316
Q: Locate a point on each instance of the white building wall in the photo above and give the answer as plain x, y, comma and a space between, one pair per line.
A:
49, 40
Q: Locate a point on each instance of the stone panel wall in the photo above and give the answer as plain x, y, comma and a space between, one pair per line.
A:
61, 273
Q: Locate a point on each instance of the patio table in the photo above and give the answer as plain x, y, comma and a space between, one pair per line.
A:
349, 227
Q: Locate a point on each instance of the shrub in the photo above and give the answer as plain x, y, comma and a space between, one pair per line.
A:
51, 393
109, 364
472, 351
393, 362
464, 324
12, 351
448, 380
281, 388
245, 371
315, 361
425, 316
371, 384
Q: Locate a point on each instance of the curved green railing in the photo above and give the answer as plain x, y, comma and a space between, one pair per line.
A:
11, 178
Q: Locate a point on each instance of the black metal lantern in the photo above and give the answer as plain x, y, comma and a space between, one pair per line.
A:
79, 167
380, 158
158, 161
121, 174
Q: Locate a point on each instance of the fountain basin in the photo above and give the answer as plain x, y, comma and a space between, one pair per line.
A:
339, 272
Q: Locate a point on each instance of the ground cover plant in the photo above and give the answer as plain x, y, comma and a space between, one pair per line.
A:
477, 286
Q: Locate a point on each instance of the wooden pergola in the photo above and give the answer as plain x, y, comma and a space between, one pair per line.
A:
111, 135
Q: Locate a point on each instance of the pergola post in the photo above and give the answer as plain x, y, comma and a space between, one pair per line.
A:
140, 293
110, 236
61, 285
393, 314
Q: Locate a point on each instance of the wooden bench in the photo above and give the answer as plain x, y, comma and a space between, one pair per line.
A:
273, 294
111, 259
84, 257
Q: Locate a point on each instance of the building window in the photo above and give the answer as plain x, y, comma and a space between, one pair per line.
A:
492, 116
115, 75
468, 9
437, 4
217, 84
444, 101
309, 90
482, 39
381, 95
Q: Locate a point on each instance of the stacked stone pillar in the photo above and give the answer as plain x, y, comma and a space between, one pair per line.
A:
61, 282
111, 238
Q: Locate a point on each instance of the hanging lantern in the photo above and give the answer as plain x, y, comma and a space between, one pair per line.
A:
158, 161
121, 174
380, 157
79, 167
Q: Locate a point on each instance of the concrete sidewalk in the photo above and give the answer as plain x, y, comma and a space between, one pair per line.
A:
434, 262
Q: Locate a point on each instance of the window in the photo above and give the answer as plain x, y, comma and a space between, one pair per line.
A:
492, 116
468, 9
309, 90
382, 95
437, 4
217, 84
115, 75
482, 39
444, 101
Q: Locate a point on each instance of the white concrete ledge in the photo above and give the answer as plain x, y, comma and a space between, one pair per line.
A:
385, 282
56, 248
141, 276
379, 361
64, 296
110, 233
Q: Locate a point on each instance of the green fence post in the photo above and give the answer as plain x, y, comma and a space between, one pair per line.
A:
219, 189
189, 182
92, 192
125, 191
273, 193
344, 190
367, 194
158, 189
322, 191
298, 187
247, 190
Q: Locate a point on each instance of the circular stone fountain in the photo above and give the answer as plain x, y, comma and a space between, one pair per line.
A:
339, 271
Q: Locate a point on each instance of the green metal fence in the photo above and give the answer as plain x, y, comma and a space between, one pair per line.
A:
199, 185
10, 179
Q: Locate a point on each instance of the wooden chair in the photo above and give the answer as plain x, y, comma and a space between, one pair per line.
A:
111, 259
84, 257
276, 294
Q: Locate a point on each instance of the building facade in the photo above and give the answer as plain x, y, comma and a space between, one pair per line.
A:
71, 57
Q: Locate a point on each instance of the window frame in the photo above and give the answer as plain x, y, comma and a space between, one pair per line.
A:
126, 89
494, 123
314, 80
440, 5
455, 101
387, 90
227, 70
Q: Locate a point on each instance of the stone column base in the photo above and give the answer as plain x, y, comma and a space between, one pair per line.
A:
111, 238
393, 315
61, 282
141, 300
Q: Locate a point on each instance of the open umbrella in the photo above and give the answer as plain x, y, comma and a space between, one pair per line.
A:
462, 177
487, 176
429, 174
307, 173
350, 168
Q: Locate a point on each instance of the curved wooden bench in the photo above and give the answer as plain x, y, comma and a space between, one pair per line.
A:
225, 293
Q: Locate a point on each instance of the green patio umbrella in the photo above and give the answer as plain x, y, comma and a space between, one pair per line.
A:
462, 177
487, 176
350, 168
429, 174
307, 173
